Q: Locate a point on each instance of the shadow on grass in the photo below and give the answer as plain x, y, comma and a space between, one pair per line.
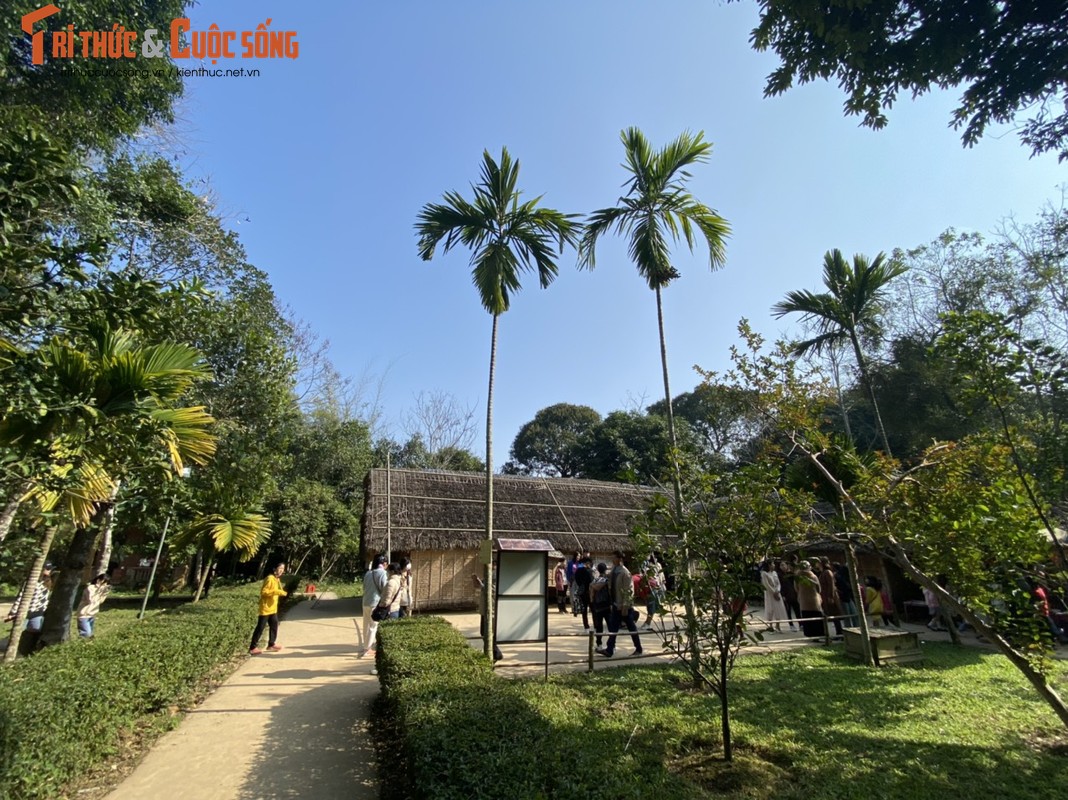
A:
820, 728
889, 733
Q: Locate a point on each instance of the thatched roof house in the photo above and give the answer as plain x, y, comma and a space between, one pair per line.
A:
439, 518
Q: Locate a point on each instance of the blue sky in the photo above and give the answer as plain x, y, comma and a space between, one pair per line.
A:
323, 162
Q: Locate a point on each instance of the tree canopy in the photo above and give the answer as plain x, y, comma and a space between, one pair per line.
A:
1008, 57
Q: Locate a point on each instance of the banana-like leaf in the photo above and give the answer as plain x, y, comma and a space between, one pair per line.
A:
82, 490
185, 435
242, 534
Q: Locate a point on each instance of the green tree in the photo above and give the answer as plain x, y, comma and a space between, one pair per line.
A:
851, 310
630, 447
310, 522
552, 443
733, 521
1008, 57
506, 238
243, 338
89, 104
1021, 381
657, 210
38, 186
719, 417
113, 404
962, 507
921, 402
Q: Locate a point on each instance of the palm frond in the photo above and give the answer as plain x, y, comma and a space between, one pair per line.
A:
76, 491
596, 224
242, 533
184, 433
506, 236
657, 208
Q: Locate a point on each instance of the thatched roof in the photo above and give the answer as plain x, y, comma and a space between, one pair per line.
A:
434, 510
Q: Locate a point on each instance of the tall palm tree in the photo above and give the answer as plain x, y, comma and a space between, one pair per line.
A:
506, 238
655, 212
850, 310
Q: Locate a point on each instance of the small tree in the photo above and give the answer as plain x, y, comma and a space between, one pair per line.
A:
731, 523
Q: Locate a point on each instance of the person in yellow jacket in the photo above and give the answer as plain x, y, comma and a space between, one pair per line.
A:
269, 594
873, 601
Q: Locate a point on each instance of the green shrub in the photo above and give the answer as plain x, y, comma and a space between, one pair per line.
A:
463, 732
67, 708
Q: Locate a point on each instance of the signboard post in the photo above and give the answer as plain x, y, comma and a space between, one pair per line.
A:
522, 592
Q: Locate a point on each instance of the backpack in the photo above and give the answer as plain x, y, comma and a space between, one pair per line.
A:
601, 598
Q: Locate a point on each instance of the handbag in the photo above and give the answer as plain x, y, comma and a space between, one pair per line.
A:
380, 613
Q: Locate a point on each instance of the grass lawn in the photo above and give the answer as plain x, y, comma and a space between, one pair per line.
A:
812, 724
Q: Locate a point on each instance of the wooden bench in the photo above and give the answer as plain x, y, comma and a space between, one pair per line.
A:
887, 647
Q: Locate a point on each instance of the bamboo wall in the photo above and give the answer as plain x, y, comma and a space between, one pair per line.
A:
442, 579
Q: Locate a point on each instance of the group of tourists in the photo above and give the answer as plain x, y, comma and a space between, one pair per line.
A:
93, 596
813, 592
606, 597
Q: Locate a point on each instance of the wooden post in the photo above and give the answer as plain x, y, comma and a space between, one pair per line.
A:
862, 611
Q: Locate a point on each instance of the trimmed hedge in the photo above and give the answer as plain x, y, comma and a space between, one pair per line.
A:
463, 732
68, 708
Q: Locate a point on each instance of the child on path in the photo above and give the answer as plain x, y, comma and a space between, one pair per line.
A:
269, 594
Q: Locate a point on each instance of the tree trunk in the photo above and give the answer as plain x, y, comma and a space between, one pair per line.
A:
489, 641
862, 611
203, 578
725, 709
103, 559
27, 593
65, 591
676, 479
7, 516
863, 367
676, 476
1016, 658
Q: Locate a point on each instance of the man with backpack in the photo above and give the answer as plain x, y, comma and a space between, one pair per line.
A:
600, 600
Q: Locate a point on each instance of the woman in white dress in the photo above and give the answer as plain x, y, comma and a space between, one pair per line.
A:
774, 608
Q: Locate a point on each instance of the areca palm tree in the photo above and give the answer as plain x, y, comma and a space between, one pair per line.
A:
112, 404
506, 238
849, 311
655, 213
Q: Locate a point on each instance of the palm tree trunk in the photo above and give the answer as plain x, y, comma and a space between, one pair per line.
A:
837, 372
203, 578
7, 517
489, 641
103, 558
27, 592
65, 592
863, 367
676, 477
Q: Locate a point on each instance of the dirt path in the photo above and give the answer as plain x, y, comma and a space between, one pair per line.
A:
288, 724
